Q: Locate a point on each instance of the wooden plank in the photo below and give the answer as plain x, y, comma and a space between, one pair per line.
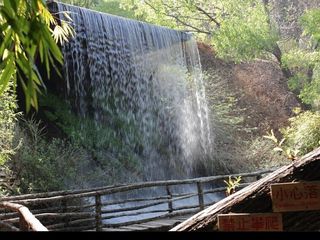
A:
159, 224
114, 230
164, 224
299, 196
167, 222
134, 228
254, 222
152, 225
149, 226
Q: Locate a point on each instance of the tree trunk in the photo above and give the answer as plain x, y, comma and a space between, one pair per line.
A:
276, 51
278, 54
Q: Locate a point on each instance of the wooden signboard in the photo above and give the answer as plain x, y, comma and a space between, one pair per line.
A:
290, 197
240, 222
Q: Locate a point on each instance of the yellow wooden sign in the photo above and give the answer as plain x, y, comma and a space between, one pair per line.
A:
300, 196
253, 222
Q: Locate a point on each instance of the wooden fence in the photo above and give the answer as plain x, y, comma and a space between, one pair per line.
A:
121, 205
27, 220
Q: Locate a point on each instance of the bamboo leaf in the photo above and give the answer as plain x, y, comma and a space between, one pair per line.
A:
6, 39
7, 73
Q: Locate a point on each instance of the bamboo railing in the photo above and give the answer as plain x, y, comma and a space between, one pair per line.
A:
121, 205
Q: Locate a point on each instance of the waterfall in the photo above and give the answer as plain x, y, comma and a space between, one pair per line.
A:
148, 78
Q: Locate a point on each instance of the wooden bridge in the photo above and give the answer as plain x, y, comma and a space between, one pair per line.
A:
145, 206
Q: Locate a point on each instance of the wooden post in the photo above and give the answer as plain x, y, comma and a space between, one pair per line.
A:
200, 195
169, 199
23, 224
98, 213
64, 210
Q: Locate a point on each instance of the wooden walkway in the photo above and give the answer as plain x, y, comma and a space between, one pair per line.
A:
145, 206
162, 225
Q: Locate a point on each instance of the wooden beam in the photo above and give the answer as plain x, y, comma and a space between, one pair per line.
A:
256, 197
26, 217
65, 195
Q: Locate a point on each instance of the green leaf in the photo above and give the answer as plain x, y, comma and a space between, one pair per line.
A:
41, 50
53, 47
7, 73
5, 42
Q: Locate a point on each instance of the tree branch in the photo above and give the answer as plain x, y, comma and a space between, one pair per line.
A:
208, 15
188, 25
182, 22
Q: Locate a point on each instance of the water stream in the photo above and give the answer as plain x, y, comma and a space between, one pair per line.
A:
145, 81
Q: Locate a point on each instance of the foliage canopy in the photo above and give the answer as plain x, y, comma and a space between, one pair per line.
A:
240, 30
25, 34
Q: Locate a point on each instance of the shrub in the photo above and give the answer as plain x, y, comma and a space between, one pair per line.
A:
103, 142
8, 119
260, 154
48, 165
303, 133
231, 133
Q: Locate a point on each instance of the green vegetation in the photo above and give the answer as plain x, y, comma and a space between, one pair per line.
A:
305, 60
103, 143
239, 31
25, 32
242, 31
290, 153
8, 120
114, 7
90, 150
303, 133
227, 120
259, 154
47, 165
232, 184
82, 3
107, 6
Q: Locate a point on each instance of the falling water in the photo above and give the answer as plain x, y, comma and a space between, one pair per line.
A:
147, 76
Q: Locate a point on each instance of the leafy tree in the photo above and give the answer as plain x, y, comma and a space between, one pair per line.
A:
238, 30
82, 3
114, 7
306, 61
107, 6
25, 34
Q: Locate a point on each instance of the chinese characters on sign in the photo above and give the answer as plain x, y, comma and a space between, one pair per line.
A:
250, 222
288, 197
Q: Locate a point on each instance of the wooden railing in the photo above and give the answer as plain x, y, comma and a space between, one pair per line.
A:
27, 220
122, 205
